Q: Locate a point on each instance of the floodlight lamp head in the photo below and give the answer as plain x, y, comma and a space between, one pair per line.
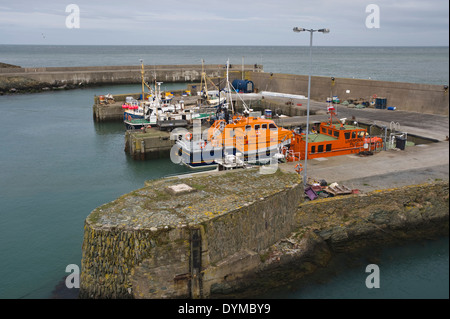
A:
297, 29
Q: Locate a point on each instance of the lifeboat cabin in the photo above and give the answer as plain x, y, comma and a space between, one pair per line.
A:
332, 139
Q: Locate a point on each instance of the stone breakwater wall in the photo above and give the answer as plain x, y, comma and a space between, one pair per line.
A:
391, 215
266, 239
116, 261
17, 80
412, 97
155, 244
352, 223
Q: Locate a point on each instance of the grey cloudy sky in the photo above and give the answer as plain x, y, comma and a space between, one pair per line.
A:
230, 22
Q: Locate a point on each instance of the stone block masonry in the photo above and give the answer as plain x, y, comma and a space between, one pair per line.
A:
149, 144
152, 244
380, 217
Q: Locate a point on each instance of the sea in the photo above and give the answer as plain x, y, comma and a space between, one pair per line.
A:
57, 165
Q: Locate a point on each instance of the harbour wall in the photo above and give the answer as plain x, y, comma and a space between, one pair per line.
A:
14, 80
148, 144
412, 97
267, 242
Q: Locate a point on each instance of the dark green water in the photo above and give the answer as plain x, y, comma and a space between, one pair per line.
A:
57, 165
415, 270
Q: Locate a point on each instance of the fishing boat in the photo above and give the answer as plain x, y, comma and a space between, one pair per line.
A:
332, 139
159, 110
256, 139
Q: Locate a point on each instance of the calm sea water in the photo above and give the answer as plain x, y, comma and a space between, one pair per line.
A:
57, 165
403, 64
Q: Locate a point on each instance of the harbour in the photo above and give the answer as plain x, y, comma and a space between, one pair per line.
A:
208, 269
101, 129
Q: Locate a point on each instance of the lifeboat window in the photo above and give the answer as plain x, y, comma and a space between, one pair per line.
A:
320, 149
336, 133
257, 127
347, 135
248, 127
272, 126
328, 148
313, 149
324, 130
361, 134
264, 126
353, 134
329, 132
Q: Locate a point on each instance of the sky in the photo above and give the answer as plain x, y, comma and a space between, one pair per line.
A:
230, 22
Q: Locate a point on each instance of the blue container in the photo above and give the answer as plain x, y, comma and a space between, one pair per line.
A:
268, 114
380, 103
244, 86
391, 108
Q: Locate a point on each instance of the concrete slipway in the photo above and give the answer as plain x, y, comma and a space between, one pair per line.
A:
387, 169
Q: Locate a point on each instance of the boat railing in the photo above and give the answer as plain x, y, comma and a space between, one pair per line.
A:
375, 143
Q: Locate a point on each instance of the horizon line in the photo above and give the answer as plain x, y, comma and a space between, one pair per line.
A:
228, 45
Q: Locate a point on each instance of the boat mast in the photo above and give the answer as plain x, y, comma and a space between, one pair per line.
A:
203, 80
142, 83
229, 88
331, 110
142, 80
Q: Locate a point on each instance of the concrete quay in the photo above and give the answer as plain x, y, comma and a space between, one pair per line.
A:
431, 126
425, 162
